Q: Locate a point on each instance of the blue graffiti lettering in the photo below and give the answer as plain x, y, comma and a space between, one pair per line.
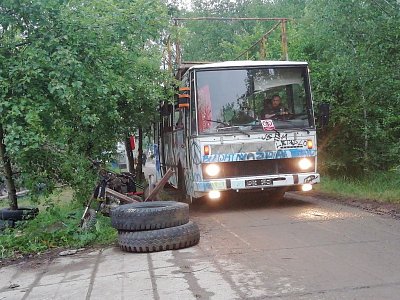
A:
288, 153
241, 156
250, 156
259, 155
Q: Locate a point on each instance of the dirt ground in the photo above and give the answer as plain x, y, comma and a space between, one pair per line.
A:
373, 206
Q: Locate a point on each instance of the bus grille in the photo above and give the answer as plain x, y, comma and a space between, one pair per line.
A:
259, 168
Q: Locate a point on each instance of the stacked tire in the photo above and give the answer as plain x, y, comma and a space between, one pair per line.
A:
154, 226
8, 217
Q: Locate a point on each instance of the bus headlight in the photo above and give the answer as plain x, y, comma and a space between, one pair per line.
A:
305, 163
214, 195
212, 170
306, 187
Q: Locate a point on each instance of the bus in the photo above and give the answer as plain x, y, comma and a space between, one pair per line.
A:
218, 139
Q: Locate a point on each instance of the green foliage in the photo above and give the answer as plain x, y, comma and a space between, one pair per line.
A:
57, 226
75, 78
227, 40
352, 47
354, 56
381, 186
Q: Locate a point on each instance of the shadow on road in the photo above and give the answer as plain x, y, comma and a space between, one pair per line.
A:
237, 201
247, 201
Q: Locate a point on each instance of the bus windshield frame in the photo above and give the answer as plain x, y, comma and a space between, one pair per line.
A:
236, 99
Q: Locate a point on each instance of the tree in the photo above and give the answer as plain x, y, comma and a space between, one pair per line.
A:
353, 50
72, 83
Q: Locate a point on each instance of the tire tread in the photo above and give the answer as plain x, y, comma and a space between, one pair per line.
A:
171, 238
149, 215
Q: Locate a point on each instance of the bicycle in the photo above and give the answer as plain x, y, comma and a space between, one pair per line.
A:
112, 190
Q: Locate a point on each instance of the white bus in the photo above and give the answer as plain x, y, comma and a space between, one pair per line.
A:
219, 136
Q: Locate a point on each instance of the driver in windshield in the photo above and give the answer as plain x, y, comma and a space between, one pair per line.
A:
273, 108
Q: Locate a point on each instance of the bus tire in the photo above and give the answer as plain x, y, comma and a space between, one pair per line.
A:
183, 196
149, 215
276, 194
172, 238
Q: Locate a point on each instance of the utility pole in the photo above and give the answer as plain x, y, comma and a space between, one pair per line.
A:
260, 42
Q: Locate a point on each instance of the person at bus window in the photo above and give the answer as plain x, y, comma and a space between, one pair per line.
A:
274, 108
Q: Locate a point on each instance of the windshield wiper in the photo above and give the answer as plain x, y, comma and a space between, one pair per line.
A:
229, 126
297, 128
219, 122
305, 129
240, 130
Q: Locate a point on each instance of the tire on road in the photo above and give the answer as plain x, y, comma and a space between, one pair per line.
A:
149, 215
171, 238
22, 213
276, 194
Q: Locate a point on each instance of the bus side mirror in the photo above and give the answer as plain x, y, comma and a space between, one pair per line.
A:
184, 97
323, 118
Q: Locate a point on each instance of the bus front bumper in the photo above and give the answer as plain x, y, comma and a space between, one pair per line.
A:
256, 182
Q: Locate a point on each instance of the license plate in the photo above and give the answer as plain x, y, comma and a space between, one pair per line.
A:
258, 182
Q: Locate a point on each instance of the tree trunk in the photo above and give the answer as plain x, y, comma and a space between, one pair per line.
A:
139, 169
366, 137
11, 190
129, 154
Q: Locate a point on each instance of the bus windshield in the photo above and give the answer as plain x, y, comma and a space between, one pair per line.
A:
238, 99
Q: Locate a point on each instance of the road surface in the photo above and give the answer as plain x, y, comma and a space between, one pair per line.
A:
301, 248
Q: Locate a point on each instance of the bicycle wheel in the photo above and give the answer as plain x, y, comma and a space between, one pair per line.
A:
89, 220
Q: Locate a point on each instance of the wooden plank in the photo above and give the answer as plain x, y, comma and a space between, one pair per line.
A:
120, 196
160, 184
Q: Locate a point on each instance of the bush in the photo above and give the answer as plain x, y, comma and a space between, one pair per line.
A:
54, 227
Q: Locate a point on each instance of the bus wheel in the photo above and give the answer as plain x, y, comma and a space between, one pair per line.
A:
182, 186
276, 194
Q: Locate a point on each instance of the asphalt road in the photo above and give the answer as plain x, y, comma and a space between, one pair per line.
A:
301, 248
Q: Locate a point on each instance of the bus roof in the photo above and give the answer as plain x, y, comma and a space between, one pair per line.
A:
247, 63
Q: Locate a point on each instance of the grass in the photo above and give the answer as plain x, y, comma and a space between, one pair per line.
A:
57, 225
383, 187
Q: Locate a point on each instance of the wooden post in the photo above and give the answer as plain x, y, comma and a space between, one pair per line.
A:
160, 184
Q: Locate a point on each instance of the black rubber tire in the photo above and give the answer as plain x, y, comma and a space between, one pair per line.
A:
149, 215
172, 238
6, 224
22, 213
89, 221
183, 196
276, 194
